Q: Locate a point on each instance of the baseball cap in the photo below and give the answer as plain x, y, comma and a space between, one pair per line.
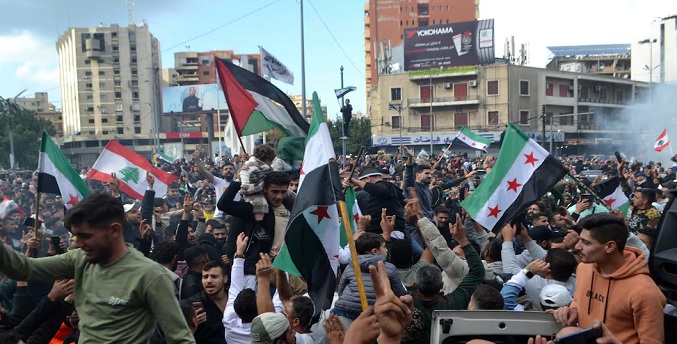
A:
268, 326
540, 233
555, 295
369, 172
130, 206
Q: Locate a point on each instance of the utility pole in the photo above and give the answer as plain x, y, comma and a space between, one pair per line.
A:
543, 132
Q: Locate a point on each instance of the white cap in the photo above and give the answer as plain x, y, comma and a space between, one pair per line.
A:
555, 295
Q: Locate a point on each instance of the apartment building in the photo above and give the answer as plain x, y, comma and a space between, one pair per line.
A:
602, 59
578, 109
109, 89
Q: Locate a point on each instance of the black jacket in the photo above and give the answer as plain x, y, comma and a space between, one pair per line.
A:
383, 194
243, 221
210, 331
347, 112
192, 284
41, 325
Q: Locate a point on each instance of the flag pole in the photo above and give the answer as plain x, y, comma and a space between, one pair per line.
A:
38, 234
303, 66
353, 253
580, 184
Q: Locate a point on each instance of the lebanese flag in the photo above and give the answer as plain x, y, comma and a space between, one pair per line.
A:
523, 173
662, 141
130, 169
311, 243
473, 140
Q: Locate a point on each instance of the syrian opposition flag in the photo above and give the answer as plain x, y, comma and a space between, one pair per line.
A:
56, 175
311, 244
611, 193
340, 92
473, 140
256, 105
662, 141
523, 172
166, 158
130, 169
354, 211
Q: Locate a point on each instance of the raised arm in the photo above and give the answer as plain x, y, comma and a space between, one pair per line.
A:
201, 167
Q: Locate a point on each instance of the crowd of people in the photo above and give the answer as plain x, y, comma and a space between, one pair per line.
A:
195, 265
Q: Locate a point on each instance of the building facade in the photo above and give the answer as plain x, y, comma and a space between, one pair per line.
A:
657, 53
385, 21
298, 102
40, 104
197, 68
602, 59
577, 110
110, 88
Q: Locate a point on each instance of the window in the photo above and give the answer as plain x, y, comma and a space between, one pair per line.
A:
566, 120
121, 131
205, 73
422, 23
115, 48
87, 61
91, 121
88, 85
447, 21
492, 118
103, 110
117, 83
134, 83
118, 107
134, 71
118, 118
88, 73
461, 91
423, 9
132, 36
205, 61
116, 60
396, 93
116, 72
549, 89
132, 48
137, 118
524, 87
524, 117
135, 95
89, 97
103, 97
563, 90
137, 130
400, 23
102, 85
433, 8
118, 95
133, 59
105, 132
426, 122
447, 10
433, 19
460, 119
395, 122
492, 87
102, 73
114, 34
104, 120
92, 132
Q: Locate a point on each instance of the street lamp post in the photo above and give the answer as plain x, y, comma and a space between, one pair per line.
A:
343, 121
9, 127
650, 42
432, 120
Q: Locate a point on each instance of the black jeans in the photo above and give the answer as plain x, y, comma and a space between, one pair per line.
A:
346, 127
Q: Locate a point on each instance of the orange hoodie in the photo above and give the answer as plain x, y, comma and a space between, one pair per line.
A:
627, 301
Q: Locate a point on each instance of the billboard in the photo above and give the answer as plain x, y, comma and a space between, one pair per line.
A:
194, 98
449, 45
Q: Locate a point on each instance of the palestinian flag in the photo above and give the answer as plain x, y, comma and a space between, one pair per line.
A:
523, 172
56, 175
611, 193
311, 244
354, 210
256, 105
662, 141
341, 92
130, 169
473, 140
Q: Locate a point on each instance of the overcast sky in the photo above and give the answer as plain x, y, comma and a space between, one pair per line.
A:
30, 29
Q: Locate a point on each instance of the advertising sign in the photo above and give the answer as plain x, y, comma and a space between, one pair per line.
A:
194, 98
449, 45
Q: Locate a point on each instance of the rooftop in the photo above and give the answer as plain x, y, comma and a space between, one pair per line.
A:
590, 50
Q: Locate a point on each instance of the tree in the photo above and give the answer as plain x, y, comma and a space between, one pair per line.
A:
27, 128
360, 135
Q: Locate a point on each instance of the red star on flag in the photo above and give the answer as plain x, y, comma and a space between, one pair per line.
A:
302, 171
321, 213
474, 144
463, 138
73, 200
609, 201
357, 219
530, 159
484, 146
513, 185
494, 211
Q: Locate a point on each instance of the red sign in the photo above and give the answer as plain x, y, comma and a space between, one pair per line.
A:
190, 135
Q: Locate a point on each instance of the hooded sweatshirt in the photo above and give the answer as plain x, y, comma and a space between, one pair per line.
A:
627, 300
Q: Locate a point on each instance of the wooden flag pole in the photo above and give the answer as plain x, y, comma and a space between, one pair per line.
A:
353, 253
357, 161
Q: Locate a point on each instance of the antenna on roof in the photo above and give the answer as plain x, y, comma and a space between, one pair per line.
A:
130, 12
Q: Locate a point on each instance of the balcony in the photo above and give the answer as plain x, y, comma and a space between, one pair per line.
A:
442, 101
603, 102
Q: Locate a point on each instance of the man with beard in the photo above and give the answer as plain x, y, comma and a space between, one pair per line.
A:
418, 177
211, 303
121, 294
220, 184
196, 258
133, 217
